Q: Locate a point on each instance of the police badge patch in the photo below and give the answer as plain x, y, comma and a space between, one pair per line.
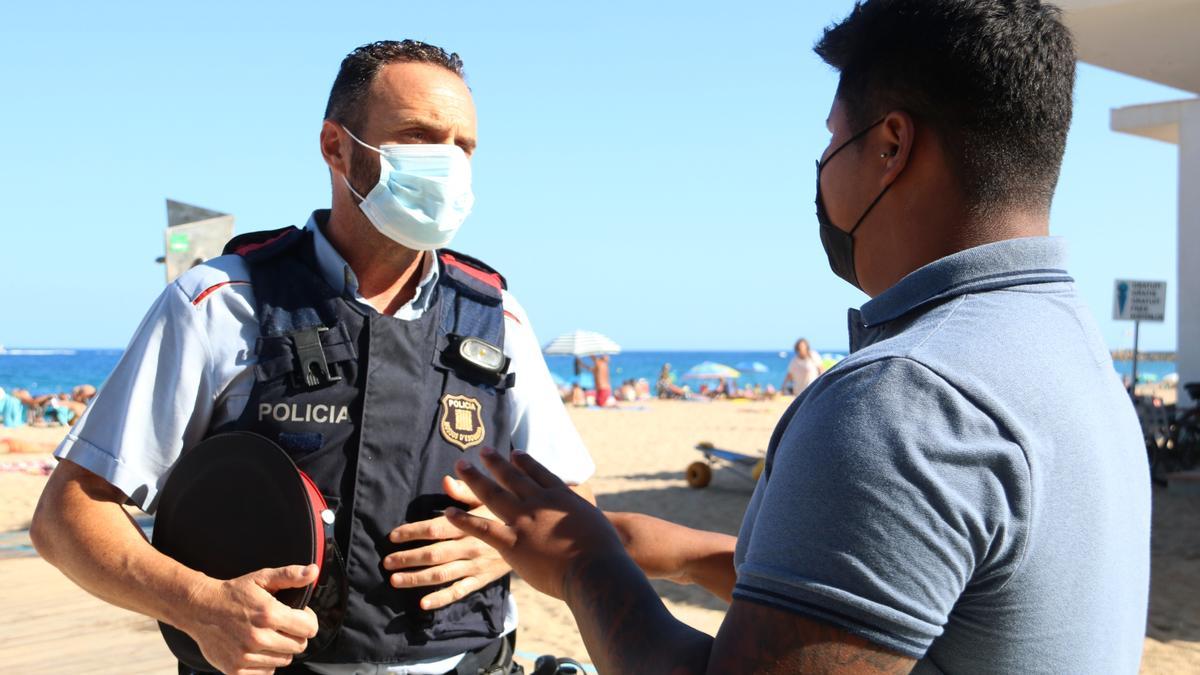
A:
462, 421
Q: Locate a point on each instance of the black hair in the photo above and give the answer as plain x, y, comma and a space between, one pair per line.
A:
348, 96
993, 80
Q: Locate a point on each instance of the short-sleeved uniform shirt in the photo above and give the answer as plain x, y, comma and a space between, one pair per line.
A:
969, 487
190, 368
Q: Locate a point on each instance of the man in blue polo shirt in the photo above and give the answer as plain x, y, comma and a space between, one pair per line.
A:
967, 492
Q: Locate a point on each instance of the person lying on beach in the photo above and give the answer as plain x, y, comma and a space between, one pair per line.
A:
967, 492
20, 446
15, 406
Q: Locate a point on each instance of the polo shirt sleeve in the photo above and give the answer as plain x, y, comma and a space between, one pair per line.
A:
888, 498
540, 424
157, 401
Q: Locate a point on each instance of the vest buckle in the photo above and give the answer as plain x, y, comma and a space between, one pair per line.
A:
312, 368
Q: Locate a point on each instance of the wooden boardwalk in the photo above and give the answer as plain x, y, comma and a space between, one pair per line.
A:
49, 626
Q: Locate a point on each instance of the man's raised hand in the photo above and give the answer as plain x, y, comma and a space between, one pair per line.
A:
545, 525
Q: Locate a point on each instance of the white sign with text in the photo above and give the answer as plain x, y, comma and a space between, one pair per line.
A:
1139, 300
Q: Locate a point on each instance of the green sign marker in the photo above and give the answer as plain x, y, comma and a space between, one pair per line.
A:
179, 242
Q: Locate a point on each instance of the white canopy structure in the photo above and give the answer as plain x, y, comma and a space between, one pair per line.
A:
1156, 40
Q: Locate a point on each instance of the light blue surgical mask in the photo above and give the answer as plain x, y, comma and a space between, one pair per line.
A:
423, 194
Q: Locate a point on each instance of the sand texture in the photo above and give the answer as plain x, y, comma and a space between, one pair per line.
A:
51, 626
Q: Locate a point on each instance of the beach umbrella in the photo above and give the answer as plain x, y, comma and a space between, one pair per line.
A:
754, 367
710, 370
558, 381
581, 343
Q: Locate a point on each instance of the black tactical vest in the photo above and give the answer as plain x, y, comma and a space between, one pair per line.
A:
376, 410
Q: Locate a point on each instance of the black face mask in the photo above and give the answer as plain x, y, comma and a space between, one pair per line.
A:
838, 243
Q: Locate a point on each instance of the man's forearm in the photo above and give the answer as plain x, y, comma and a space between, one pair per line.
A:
682, 554
97, 545
625, 626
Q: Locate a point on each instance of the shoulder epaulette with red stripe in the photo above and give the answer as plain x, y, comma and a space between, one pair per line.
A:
262, 244
473, 267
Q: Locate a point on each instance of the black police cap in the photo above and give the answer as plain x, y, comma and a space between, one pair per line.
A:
236, 503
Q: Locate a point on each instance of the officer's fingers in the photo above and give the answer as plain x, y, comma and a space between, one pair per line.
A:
457, 591
271, 642
502, 502
298, 623
507, 475
459, 492
534, 469
497, 535
433, 576
435, 529
432, 554
265, 660
273, 579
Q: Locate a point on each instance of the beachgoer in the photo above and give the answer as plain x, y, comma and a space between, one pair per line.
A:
666, 384
14, 410
14, 445
600, 372
804, 368
398, 133
967, 492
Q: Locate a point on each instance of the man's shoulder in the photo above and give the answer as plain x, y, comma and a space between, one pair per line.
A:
885, 402
208, 278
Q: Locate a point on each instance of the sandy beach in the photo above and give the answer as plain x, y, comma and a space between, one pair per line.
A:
641, 452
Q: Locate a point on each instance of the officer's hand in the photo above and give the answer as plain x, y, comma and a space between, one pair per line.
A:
241, 628
547, 528
455, 557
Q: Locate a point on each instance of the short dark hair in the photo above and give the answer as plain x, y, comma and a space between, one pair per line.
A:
359, 68
992, 78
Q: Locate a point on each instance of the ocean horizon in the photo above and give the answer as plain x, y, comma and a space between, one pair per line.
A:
48, 370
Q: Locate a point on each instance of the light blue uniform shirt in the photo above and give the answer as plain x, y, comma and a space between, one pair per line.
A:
969, 487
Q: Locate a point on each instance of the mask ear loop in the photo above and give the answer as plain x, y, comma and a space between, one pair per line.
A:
865, 213
369, 147
855, 137
821, 164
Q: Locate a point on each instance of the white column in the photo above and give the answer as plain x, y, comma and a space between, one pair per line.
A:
1188, 338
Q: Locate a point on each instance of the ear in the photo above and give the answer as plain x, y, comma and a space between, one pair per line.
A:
335, 148
896, 136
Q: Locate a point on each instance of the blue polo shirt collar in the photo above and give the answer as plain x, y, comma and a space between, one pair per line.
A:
1002, 264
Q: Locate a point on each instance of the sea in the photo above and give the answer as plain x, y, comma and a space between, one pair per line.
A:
44, 371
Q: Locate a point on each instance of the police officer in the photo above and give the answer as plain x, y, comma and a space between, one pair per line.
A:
370, 353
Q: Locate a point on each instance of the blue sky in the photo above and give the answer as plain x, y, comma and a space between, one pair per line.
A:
644, 169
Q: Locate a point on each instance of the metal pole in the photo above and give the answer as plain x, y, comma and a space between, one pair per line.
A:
1133, 386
